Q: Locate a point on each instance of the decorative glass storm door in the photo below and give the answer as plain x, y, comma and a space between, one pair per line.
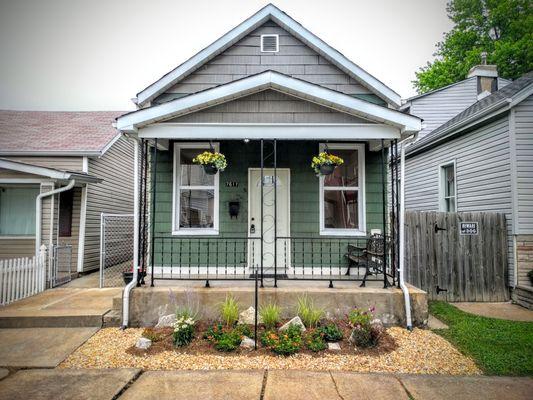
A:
254, 220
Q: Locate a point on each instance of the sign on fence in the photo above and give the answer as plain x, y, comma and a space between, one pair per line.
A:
465, 259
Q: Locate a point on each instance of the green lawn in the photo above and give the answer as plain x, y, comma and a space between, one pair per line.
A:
499, 347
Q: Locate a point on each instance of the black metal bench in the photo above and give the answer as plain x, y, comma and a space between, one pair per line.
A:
369, 257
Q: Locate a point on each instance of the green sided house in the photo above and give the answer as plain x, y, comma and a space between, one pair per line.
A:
270, 96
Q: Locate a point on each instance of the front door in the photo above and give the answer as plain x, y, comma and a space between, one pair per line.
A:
254, 219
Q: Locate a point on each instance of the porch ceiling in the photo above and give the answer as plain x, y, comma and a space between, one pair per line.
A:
402, 123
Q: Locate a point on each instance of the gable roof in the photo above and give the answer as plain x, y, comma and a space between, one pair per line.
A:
269, 12
267, 80
56, 133
494, 104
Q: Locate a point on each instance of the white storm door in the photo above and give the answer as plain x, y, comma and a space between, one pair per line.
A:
283, 219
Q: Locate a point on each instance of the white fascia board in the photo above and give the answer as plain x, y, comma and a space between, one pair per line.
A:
286, 22
51, 153
263, 81
194, 131
48, 172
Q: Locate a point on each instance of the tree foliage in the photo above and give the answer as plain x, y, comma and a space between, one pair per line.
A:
501, 28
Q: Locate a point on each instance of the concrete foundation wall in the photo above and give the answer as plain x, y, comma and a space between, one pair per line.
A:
147, 304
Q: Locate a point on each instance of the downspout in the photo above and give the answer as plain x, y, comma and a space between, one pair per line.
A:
403, 286
129, 286
38, 210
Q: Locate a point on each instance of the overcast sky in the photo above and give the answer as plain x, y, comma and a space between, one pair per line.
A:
97, 54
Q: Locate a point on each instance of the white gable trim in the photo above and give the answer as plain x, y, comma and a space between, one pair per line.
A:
263, 81
252, 23
47, 172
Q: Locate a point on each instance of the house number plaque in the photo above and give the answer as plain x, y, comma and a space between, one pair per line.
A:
468, 228
232, 184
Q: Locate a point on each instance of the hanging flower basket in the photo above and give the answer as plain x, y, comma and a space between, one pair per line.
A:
325, 163
211, 161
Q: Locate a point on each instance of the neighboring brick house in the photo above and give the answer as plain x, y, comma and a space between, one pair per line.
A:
43, 151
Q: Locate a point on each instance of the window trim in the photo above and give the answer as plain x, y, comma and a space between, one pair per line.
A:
442, 190
176, 230
361, 195
269, 35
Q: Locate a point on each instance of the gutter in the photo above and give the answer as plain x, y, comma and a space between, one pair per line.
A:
401, 270
129, 286
38, 210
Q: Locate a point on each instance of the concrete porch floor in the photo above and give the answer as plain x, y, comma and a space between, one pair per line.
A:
60, 307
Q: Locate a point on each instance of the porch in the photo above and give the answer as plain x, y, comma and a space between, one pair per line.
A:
267, 215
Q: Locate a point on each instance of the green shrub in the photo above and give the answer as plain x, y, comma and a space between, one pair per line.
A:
183, 331
314, 341
331, 333
270, 314
229, 311
229, 340
214, 333
284, 343
358, 317
153, 335
307, 311
365, 336
244, 330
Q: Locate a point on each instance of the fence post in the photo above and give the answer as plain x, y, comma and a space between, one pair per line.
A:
42, 265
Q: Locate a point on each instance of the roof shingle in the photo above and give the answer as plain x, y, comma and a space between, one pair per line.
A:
56, 131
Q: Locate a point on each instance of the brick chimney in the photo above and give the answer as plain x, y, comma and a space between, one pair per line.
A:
487, 77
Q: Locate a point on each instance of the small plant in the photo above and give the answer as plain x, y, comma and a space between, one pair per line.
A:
358, 317
214, 333
314, 341
186, 312
331, 333
270, 314
229, 311
152, 334
183, 331
284, 343
307, 311
325, 163
244, 330
229, 340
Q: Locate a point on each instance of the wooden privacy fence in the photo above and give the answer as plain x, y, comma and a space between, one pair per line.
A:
21, 277
457, 256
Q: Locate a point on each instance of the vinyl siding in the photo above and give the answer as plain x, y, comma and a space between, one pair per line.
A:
441, 106
113, 195
523, 117
269, 106
483, 175
73, 239
244, 58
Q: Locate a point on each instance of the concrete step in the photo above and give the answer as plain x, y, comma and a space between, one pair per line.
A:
112, 319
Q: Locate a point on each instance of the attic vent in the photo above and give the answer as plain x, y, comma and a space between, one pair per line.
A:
269, 43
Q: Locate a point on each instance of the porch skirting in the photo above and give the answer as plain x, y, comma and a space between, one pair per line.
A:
148, 303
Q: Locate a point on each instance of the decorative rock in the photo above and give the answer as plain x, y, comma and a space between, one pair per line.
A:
143, 343
295, 321
248, 343
247, 317
166, 321
334, 346
377, 322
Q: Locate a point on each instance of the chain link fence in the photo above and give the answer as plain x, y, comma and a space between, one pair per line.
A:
116, 248
61, 265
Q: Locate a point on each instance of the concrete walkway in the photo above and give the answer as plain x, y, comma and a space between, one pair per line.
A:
40, 347
268, 385
61, 307
510, 311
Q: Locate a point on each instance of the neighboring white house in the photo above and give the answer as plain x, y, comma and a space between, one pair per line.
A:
476, 154
44, 151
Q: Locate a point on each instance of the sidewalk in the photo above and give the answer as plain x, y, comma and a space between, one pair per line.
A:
131, 384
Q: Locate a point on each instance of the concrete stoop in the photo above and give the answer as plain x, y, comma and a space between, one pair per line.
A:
523, 295
148, 303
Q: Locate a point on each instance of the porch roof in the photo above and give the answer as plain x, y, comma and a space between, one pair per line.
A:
396, 122
53, 173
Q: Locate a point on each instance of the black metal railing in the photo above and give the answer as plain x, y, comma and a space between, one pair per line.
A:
296, 258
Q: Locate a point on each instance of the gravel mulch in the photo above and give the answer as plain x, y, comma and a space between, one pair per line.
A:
417, 352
